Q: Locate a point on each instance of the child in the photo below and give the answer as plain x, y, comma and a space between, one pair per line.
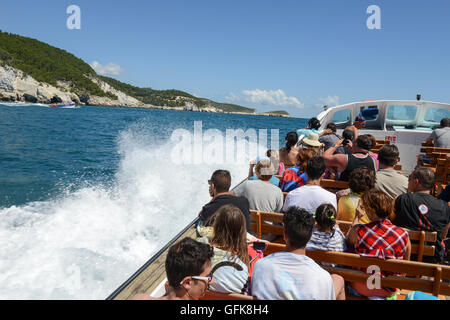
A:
326, 234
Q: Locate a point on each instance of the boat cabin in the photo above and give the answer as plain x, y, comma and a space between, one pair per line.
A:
405, 123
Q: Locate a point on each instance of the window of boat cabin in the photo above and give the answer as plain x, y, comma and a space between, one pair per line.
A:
371, 113
433, 117
341, 118
401, 117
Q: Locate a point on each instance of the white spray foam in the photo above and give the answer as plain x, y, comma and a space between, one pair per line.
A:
88, 242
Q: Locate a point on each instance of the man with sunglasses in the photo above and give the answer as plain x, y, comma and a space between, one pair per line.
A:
188, 269
219, 190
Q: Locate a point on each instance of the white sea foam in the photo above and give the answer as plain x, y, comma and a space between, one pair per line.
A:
84, 244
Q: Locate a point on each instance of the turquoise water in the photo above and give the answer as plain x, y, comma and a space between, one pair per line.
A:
88, 194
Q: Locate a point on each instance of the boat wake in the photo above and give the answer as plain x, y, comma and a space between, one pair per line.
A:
85, 243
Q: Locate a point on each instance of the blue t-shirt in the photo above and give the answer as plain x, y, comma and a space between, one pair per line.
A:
306, 132
274, 180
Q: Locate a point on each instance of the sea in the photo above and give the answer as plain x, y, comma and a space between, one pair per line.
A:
89, 194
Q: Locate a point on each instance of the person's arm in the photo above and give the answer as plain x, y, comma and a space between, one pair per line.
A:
352, 235
325, 132
250, 171
335, 160
407, 255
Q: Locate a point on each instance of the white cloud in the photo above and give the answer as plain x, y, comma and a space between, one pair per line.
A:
109, 69
272, 97
232, 98
330, 101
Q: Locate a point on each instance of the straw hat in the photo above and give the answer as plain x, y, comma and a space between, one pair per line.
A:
312, 140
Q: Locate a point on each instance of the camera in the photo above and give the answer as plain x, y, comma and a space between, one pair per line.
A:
346, 142
259, 246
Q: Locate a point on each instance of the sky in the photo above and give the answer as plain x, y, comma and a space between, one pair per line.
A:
291, 55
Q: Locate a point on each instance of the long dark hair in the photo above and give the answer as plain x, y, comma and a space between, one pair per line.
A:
291, 140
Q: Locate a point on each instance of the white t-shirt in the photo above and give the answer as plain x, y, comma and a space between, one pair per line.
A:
309, 198
290, 276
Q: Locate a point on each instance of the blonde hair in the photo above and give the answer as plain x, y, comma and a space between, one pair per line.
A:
230, 232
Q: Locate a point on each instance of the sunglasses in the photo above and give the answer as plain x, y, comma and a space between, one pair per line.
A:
207, 279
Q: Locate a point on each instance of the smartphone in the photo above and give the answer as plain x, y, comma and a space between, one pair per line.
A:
259, 246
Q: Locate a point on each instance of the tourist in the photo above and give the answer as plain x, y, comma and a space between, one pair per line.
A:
277, 164
326, 234
230, 263
360, 181
373, 154
188, 269
289, 154
358, 124
441, 136
254, 175
328, 137
291, 275
389, 180
312, 127
261, 194
419, 210
295, 177
379, 238
346, 163
311, 195
219, 190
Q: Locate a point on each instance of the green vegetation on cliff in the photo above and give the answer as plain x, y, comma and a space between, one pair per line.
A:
59, 68
48, 64
171, 98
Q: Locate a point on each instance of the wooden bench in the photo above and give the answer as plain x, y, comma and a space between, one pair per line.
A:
426, 277
422, 243
212, 295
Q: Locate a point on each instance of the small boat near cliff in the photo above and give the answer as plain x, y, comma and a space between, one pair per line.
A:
62, 105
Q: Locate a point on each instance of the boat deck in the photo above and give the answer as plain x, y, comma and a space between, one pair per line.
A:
150, 276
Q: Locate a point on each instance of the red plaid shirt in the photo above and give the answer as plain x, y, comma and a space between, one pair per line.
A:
381, 239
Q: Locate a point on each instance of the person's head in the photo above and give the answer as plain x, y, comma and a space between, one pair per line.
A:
388, 155
363, 143
376, 204
304, 155
362, 179
298, 227
314, 123
332, 127
348, 135
360, 122
291, 140
326, 217
230, 231
315, 168
373, 140
220, 181
421, 179
264, 170
185, 262
445, 122
311, 141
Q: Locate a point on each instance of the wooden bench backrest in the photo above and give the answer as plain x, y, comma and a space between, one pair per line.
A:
413, 270
425, 245
212, 295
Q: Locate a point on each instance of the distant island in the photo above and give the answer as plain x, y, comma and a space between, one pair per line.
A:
35, 72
